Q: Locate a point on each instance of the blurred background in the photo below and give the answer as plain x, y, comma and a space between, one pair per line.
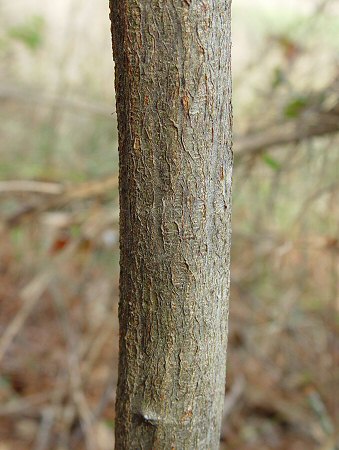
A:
59, 234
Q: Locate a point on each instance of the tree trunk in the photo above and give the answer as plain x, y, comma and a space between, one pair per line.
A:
173, 90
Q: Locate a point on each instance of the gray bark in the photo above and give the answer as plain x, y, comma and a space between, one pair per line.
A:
173, 91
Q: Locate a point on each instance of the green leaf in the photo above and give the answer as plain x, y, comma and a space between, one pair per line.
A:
278, 77
16, 234
295, 106
110, 423
29, 33
271, 162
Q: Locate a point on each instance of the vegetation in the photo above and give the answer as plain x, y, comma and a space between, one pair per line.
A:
59, 202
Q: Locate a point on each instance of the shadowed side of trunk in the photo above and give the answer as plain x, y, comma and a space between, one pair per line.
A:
173, 90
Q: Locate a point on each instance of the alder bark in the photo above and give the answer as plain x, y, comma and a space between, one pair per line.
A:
173, 95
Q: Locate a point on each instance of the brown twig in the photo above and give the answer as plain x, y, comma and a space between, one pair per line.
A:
65, 195
30, 186
308, 126
30, 295
12, 93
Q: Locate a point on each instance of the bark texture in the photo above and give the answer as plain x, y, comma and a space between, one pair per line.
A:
173, 91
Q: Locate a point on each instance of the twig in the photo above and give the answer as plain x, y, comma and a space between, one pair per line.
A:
67, 195
233, 396
308, 126
21, 405
10, 93
30, 295
76, 391
38, 187
48, 417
